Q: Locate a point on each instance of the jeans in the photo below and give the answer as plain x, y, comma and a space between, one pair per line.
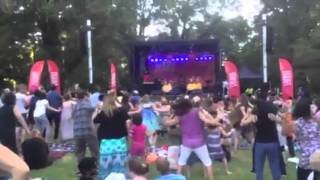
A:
290, 144
43, 125
272, 151
303, 174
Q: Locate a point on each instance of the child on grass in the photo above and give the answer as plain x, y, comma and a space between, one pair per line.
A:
138, 169
138, 135
87, 168
36, 151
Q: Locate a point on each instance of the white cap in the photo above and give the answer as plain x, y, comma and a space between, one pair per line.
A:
135, 92
196, 99
6, 90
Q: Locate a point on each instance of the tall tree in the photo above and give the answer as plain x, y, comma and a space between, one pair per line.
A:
296, 27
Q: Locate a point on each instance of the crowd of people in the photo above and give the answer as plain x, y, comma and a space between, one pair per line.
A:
123, 129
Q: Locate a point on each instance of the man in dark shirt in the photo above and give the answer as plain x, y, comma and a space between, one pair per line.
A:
55, 101
266, 140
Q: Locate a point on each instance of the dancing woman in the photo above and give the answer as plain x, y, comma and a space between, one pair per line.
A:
307, 132
163, 108
112, 134
66, 117
247, 126
191, 121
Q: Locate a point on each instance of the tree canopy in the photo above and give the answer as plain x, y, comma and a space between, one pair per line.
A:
38, 29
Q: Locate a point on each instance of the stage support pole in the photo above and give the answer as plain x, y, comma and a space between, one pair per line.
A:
264, 49
89, 46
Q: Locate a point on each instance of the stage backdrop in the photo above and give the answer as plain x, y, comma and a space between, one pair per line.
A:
232, 73
287, 78
36, 73
183, 71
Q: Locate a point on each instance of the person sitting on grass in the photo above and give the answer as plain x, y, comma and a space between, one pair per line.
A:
163, 166
36, 151
138, 169
88, 168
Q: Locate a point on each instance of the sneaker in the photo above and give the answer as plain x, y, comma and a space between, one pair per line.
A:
294, 160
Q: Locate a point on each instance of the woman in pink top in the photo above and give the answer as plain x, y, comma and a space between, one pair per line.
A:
191, 121
138, 134
66, 119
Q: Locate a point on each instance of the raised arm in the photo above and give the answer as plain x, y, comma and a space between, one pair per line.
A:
96, 111
131, 112
207, 118
224, 133
172, 120
161, 109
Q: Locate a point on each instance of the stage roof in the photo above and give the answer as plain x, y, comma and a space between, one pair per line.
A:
163, 46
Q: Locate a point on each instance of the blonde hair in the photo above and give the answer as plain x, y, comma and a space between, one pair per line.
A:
109, 104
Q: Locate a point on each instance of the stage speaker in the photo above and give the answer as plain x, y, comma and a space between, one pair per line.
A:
270, 36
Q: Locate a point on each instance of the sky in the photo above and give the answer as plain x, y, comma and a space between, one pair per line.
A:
248, 9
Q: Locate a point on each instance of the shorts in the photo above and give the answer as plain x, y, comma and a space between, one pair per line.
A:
201, 152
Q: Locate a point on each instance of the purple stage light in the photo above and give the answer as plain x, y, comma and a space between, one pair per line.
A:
205, 58
201, 58
210, 57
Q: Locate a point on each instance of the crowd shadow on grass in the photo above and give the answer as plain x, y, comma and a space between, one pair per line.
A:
65, 169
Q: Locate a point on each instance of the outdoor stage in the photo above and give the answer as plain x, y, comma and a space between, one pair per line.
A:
155, 63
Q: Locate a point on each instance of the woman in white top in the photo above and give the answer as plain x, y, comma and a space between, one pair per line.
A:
21, 104
39, 114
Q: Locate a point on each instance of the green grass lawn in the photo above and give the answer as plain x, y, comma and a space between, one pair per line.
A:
240, 166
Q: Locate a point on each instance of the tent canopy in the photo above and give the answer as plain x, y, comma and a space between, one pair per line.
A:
246, 73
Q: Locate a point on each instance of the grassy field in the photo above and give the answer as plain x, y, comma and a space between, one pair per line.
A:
65, 169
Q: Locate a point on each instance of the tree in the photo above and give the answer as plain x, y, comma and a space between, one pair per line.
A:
296, 27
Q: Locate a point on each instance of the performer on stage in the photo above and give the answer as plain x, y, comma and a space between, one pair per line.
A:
195, 85
147, 78
167, 87
190, 85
